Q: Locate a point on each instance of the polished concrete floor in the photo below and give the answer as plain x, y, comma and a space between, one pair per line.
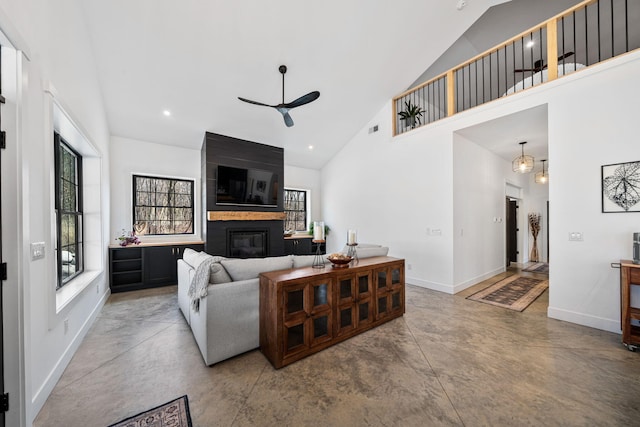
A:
449, 361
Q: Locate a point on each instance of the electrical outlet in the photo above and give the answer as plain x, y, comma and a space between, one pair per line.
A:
576, 236
434, 232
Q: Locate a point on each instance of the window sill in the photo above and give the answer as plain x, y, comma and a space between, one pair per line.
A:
68, 292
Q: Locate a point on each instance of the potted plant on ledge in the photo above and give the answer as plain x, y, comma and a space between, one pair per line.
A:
411, 114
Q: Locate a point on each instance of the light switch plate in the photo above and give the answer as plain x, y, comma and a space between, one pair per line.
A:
37, 251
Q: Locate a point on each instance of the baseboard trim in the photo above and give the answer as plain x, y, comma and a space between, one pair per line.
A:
429, 285
40, 397
469, 283
584, 319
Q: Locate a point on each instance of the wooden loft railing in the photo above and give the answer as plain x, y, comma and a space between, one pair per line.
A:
588, 33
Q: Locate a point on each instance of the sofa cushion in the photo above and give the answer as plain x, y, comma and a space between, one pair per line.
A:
371, 251
303, 260
250, 268
217, 274
195, 258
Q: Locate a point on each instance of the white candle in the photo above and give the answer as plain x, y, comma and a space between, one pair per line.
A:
351, 237
318, 230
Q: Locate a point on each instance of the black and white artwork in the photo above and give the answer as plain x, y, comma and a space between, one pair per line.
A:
621, 187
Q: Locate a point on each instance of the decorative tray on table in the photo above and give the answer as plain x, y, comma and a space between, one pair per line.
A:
339, 260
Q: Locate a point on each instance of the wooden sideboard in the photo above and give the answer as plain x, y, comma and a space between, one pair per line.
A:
629, 276
305, 310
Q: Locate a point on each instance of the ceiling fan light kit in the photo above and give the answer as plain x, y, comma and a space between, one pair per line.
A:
283, 108
523, 163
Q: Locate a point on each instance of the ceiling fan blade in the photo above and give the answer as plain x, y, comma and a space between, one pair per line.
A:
566, 55
255, 102
287, 118
304, 99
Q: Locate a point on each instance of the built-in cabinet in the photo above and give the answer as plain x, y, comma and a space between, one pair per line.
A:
305, 310
149, 266
303, 246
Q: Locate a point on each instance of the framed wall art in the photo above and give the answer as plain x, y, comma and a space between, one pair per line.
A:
621, 187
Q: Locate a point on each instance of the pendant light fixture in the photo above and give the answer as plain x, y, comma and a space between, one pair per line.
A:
522, 163
542, 177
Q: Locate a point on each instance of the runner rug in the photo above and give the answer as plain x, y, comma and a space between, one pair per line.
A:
515, 292
171, 414
539, 267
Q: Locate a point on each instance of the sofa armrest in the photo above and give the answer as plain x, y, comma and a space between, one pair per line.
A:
185, 275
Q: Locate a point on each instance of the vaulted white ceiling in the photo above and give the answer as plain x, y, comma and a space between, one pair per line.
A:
194, 58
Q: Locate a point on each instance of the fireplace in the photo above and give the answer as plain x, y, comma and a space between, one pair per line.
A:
247, 243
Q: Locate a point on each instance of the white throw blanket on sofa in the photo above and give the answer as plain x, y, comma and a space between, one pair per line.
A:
200, 282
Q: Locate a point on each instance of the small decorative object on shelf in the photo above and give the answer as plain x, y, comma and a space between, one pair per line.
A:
128, 238
352, 242
351, 252
339, 260
318, 262
318, 230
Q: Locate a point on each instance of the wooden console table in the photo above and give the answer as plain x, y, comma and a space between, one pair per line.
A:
629, 276
305, 310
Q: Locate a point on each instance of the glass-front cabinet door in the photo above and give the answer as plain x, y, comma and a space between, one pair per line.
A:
307, 315
353, 295
389, 285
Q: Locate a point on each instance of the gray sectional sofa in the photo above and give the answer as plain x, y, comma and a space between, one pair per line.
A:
226, 321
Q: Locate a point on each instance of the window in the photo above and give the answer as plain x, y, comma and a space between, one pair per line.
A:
295, 208
68, 206
162, 205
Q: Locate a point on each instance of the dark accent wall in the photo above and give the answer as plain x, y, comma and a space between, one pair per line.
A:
228, 151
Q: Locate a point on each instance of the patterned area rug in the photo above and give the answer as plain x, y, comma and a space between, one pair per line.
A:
515, 292
539, 267
171, 414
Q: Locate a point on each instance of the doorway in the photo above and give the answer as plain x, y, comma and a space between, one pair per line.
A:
511, 234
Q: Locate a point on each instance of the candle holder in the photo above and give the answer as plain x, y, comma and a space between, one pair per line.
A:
352, 252
318, 261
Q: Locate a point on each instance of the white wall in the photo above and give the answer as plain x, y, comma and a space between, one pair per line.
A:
129, 157
592, 122
391, 190
306, 179
55, 35
394, 188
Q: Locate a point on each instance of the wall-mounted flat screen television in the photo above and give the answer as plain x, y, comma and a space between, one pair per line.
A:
252, 187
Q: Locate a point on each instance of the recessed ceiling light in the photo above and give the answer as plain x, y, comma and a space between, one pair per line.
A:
530, 43
311, 147
166, 113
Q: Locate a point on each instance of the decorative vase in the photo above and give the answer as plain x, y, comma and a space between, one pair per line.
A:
534, 250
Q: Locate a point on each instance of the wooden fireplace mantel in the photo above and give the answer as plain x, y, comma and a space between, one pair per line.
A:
244, 216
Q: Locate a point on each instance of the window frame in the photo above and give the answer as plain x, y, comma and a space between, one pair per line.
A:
134, 204
61, 144
306, 207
